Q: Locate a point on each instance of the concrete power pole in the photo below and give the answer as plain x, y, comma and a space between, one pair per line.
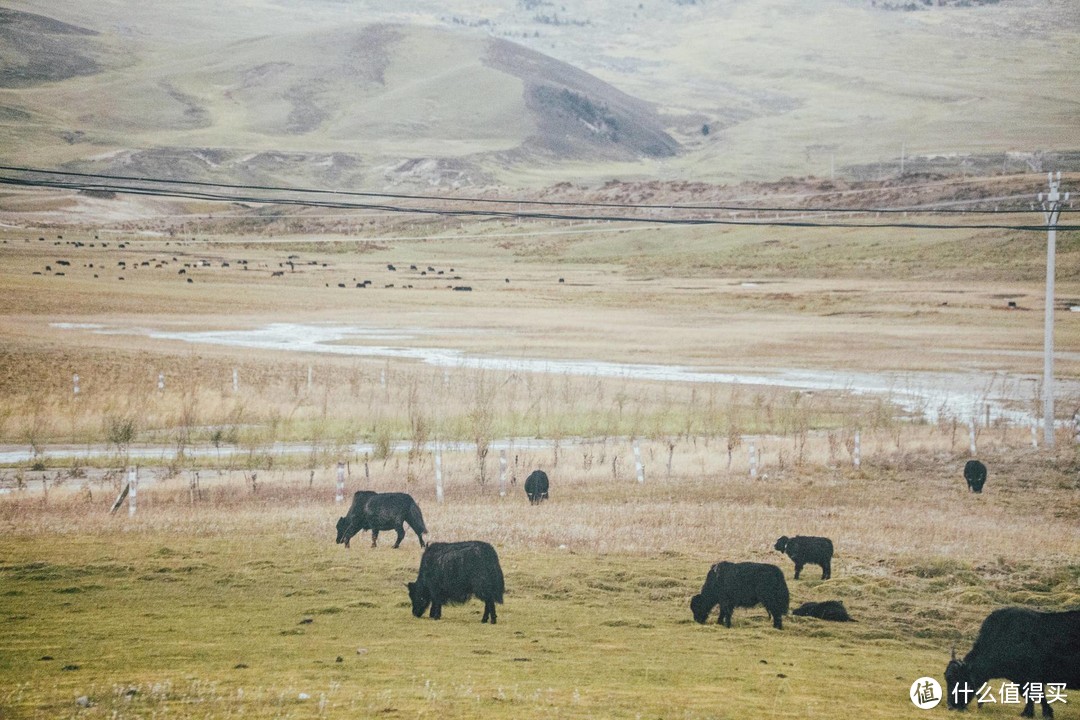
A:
1051, 206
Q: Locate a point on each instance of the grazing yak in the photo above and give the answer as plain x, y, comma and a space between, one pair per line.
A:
381, 511
732, 585
975, 474
536, 486
807, 549
453, 573
1024, 646
827, 610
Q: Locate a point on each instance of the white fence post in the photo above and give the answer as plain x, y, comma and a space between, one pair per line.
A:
75, 383
133, 486
502, 473
637, 462
753, 459
308, 377
161, 382
1034, 435
971, 435
340, 496
235, 380
438, 473
857, 458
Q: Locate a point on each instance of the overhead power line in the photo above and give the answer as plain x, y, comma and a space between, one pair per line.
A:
939, 208
321, 198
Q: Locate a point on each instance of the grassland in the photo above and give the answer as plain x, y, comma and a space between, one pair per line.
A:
229, 597
239, 603
816, 299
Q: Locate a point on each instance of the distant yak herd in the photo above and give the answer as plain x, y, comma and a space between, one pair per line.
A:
431, 277
1018, 644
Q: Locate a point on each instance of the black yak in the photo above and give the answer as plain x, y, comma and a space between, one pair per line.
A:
536, 486
975, 474
381, 511
804, 549
1024, 646
453, 573
827, 610
732, 585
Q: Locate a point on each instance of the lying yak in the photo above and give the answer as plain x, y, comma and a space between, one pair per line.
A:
827, 610
536, 486
807, 549
453, 573
732, 585
381, 511
975, 475
1023, 646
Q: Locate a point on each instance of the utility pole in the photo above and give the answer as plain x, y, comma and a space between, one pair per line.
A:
1051, 206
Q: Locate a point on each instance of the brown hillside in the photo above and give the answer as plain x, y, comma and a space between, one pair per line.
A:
35, 49
353, 105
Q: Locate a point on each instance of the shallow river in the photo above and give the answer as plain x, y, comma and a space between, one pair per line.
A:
964, 395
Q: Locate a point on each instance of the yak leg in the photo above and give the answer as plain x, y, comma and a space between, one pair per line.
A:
826, 570
798, 569
374, 538
489, 611
436, 610
400, 535
1048, 712
419, 537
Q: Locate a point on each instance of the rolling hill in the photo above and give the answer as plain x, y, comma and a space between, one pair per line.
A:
531, 92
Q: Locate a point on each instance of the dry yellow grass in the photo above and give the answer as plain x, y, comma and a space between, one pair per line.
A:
604, 311
218, 580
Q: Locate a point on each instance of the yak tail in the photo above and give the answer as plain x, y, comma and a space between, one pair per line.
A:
416, 518
497, 584
495, 577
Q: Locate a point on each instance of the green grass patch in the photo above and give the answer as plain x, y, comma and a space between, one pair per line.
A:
228, 627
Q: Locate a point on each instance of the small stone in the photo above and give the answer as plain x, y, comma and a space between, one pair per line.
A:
303, 696
340, 659
83, 702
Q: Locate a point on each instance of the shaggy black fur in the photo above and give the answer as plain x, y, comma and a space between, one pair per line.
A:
1020, 645
453, 573
732, 585
975, 475
536, 486
807, 549
827, 610
381, 511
